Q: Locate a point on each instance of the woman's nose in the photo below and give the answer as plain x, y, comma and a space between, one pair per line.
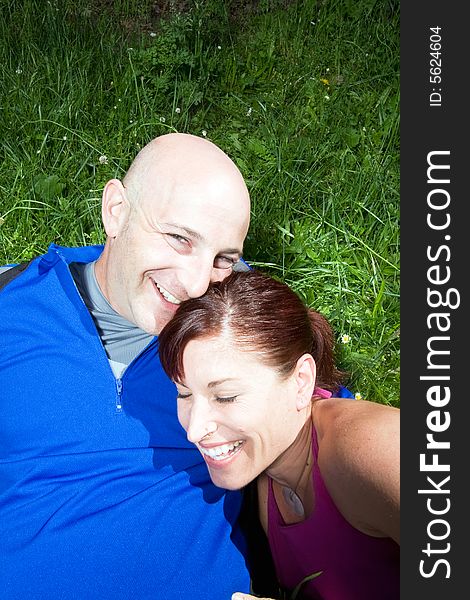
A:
200, 424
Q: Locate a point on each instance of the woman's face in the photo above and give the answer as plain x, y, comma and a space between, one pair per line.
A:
240, 413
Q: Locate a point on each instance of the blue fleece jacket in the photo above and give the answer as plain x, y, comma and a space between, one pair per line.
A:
101, 495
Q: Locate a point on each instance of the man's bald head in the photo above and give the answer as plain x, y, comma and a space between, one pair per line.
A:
183, 159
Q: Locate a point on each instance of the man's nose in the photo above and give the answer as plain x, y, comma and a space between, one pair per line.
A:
197, 275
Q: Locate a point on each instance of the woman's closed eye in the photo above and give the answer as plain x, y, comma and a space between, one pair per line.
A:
225, 399
219, 399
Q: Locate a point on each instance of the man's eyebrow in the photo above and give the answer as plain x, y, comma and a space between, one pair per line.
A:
231, 251
200, 238
194, 234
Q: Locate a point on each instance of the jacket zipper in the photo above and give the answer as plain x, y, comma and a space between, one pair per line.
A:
118, 395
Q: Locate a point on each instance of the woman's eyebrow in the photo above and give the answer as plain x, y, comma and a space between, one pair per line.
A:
181, 384
213, 384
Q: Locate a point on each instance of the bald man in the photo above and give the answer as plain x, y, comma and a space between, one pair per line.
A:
101, 495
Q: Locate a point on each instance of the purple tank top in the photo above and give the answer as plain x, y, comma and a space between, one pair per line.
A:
353, 565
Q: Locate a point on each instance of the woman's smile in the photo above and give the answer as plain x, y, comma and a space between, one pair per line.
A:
220, 455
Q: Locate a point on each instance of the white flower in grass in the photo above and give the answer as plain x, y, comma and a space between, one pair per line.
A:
249, 111
64, 138
204, 132
162, 119
327, 97
19, 71
177, 110
358, 396
103, 159
153, 34
345, 338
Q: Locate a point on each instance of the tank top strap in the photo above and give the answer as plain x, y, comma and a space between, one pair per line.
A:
314, 444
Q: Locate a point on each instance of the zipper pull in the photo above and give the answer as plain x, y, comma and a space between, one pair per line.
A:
119, 395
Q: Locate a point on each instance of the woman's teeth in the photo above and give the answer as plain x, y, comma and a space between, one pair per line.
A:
220, 452
167, 295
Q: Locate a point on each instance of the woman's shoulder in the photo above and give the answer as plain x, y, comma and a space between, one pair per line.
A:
358, 454
352, 418
355, 433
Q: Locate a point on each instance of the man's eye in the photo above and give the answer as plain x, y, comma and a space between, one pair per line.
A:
224, 262
178, 238
224, 399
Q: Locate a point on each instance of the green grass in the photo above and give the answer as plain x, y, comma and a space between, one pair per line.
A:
304, 96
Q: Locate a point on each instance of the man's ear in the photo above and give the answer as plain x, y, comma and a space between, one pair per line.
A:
305, 375
114, 207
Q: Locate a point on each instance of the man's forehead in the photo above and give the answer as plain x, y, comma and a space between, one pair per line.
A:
213, 217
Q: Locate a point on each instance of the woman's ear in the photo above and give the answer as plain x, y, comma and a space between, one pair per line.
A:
305, 375
114, 207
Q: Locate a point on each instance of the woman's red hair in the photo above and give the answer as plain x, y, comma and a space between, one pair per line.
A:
262, 315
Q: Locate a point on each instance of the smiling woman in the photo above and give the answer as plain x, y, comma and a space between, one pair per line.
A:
258, 395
